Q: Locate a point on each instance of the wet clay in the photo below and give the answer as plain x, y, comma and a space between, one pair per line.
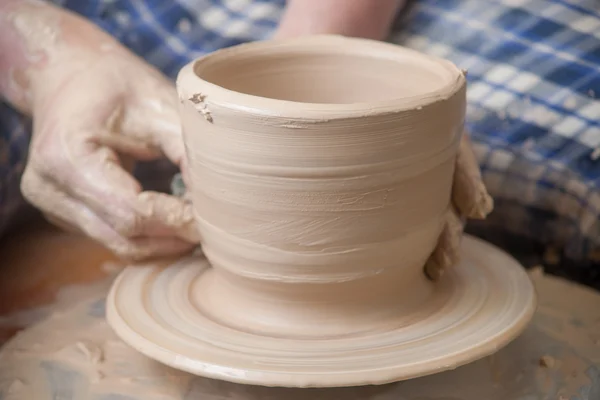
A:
320, 172
74, 354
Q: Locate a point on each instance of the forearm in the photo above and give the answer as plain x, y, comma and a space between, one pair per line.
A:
36, 38
370, 19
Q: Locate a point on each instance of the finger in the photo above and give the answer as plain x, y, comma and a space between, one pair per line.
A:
143, 248
447, 250
157, 118
61, 224
108, 189
469, 193
58, 207
133, 249
171, 143
116, 197
176, 214
128, 145
68, 212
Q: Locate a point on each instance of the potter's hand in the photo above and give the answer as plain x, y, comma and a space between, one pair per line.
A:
87, 124
96, 107
357, 18
470, 199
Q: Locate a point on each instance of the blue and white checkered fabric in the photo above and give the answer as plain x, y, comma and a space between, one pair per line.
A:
534, 73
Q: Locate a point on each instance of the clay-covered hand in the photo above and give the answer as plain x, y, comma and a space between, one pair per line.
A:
470, 200
96, 109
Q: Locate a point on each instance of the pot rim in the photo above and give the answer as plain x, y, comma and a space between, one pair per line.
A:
190, 83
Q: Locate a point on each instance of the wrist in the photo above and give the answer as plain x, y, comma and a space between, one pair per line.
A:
40, 45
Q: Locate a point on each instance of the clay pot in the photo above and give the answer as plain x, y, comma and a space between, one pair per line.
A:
320, 170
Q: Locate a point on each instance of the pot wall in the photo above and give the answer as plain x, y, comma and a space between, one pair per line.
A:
307, 192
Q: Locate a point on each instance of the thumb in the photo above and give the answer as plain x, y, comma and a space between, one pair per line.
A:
157, 120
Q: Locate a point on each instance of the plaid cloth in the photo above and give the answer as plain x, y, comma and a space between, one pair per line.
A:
533, 69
